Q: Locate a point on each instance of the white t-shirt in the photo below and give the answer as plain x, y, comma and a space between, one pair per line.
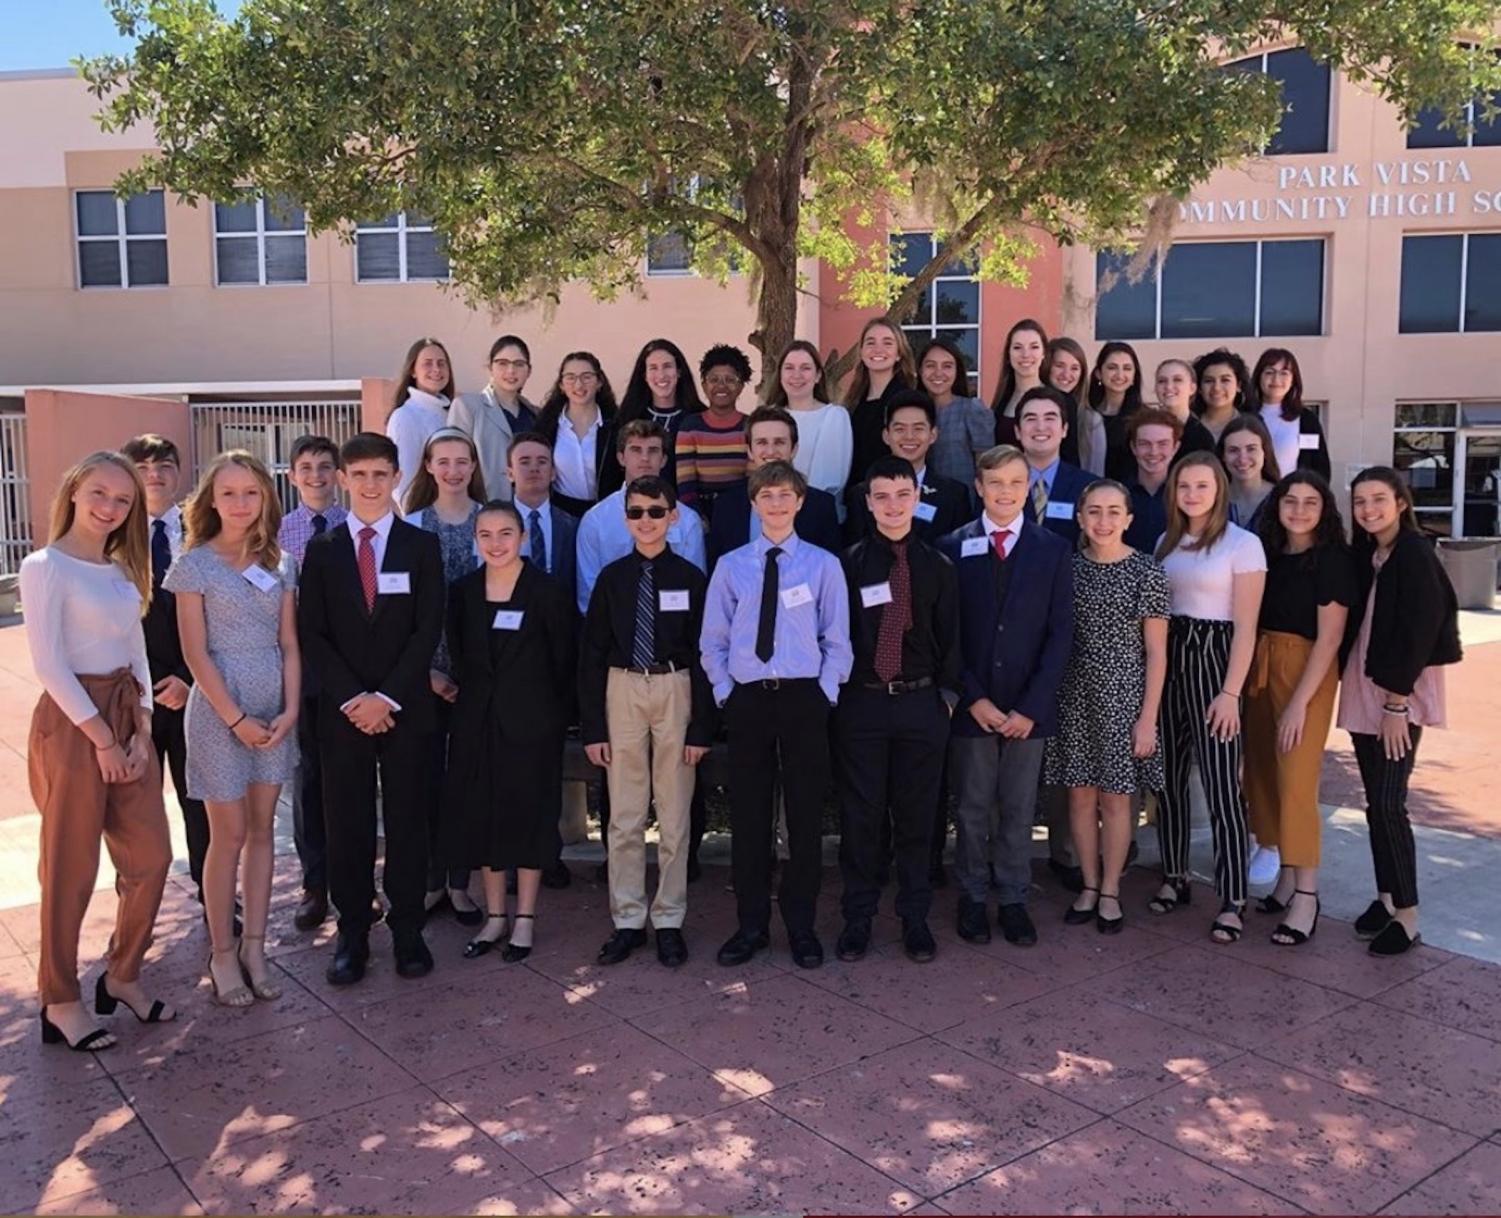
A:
1203, 583
1284, 434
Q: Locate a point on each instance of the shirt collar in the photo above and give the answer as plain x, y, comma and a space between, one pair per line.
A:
382, 526
1045, 475
172, 518
788, 547
991, 528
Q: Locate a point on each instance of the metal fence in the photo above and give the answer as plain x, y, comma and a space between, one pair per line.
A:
15, 505
269, 429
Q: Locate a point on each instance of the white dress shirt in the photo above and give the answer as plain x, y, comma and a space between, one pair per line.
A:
172, 518
1012, 529
575, 473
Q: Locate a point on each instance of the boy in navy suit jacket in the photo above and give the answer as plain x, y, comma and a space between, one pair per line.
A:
1041, 425
1016, 625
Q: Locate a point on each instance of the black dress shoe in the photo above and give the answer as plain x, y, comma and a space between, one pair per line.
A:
1016, 925
918, 942
351, 954
807, 951
473, 916
741, 946
672, 948
557, 876
974, 923
1072, 878
311, 910
621, 944
1373, 921
412, 957
854, 940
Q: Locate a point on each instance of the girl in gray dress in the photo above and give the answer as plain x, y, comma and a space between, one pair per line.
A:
239, 636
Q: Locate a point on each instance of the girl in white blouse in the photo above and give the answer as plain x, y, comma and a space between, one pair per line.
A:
825, 440
424, 390
93, 770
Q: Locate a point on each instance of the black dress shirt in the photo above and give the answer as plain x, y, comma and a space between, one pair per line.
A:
931, 647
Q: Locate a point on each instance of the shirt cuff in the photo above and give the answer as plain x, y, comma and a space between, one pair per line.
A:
391, 702
722, 693
831, 695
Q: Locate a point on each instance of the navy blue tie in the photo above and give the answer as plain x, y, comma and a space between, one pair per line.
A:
161, 552
320, 524
644, 644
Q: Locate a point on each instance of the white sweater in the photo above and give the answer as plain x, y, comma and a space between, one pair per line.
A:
409, 427
825, 448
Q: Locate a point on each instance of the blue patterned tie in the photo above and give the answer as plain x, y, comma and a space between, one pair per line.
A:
644, 645
539, 540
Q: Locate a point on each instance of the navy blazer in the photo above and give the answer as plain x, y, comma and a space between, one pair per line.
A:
1068, 484
563, 557
1013, 653
729, 527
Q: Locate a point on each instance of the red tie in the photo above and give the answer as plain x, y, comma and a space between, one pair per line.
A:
896, 616
998, 540
367, 567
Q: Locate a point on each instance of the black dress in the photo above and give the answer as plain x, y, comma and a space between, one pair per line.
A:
514, 662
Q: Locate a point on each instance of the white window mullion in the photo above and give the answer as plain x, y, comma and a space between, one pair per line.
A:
401, 247
1464, 277
1256, 317
1157, 287
260, 239
122, 239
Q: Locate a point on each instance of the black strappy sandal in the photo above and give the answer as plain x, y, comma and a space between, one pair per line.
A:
1231, 934
91, 1042
1078, 917
1291, 935
1182, 895
105, 1004
1269, 904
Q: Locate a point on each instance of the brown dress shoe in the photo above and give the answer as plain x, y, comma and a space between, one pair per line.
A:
311, 911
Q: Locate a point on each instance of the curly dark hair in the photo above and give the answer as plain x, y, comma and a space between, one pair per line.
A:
1331, 526
728, 356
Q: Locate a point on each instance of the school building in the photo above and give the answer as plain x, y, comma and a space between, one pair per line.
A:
1372, 252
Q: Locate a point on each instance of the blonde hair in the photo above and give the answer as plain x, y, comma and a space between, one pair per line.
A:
423, 492
128, 545
1177, 522
201, 522
904, 374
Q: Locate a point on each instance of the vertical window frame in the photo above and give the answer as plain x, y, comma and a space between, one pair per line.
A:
121, 238
258, 235
932, 327
401, 229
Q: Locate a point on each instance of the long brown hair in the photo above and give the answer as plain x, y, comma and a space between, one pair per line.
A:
200, 518
1177, 522
1066, 345
127, 545
1292, 404
423, 491
1006, 386
778, 395
407, 377
904, 374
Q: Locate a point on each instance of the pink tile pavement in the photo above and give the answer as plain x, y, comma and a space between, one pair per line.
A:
1469, 1185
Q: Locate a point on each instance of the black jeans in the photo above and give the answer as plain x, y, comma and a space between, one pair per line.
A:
1393, 851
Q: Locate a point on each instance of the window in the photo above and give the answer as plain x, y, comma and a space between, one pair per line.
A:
1451, 283
1305, 99
402, 248
122, 243
1427, 133
1216, 289
949, 306
260, 241
1423, 450
669, 253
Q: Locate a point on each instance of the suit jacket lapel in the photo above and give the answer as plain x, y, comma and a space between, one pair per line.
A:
394, 559
342, 540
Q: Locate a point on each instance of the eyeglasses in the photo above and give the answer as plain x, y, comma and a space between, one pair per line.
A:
656, 512
578, 378
506, 365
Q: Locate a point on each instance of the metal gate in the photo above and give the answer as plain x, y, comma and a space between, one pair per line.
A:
15, 486
268, 430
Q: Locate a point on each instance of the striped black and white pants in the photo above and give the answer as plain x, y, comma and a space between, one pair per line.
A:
1198, 653
1393, 852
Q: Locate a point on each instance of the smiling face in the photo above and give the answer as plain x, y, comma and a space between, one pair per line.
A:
767, 441
891, 502
1003, 490
1175, 387
648, 530
238, 499
579, 382
939, 372
1218, 387
777, 507
642, 457
910, 435
369, 485
430, 373
1154, 448
662, 378
101, 502
1065, 372
1300, 509
1194, 491
498, 536
1276, 382
451, 465
529, 465
722, 386
1375, 507
1118, 373
1040, 428
509, 370
879, 350
799, 374
1244, 456
1024, 354
160, 479
1104, 516
313, 475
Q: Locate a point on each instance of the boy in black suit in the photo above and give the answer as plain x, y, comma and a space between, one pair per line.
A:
369, 613
942, 504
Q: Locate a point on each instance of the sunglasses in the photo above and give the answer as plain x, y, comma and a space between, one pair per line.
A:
656, 513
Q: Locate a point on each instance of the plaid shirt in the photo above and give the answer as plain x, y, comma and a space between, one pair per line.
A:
297, 528
966, 428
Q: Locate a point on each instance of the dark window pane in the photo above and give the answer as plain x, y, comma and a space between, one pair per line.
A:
97, 216
1126, 310
1305, 100
666, 252
282, 215
382, 222
913, 252
1426, 132
234, 217
376, 256
921, 314
1209, 290
1430, 285
1425, 414
963, 266
968, 342
99, 264
286, 259
958, 302
146, 214
1483, 282
146, 263
425, 258
1427, 458
238, 261
418, 220
1292, 287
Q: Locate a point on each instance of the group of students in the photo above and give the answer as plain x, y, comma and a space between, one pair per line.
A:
1060, 601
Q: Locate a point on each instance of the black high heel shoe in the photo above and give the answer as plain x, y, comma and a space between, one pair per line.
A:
1269, 904
1291, 936
105, 1004
1224, 932
1183, 894
91, 1042
514, 951
1109, 926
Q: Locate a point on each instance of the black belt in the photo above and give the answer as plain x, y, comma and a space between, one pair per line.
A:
779, 682
900, 687
652, 670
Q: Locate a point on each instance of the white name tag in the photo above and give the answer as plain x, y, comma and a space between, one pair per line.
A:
673, 601
507, 619
1309, 442
394, 583
799, 594
973, 547
1059, 511
925, 511
872, 595
260, 577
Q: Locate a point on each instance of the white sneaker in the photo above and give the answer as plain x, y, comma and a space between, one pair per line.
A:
1265, 864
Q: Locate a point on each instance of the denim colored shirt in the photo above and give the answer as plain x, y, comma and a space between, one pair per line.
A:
603, 537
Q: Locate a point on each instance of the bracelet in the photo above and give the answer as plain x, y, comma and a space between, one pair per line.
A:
1226, 693
1396, 710
243, 716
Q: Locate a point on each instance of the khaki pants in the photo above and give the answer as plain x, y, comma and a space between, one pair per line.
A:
647, 718
78, 807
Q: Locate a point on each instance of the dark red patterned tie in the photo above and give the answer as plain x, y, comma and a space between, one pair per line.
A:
896, 616
367, 567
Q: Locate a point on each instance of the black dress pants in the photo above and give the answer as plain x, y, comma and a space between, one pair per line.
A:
308, 833
168, 734
351, 760
888, 767
1394, 855
777, 732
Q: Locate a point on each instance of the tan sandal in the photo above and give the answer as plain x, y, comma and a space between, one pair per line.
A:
263, 989
238, 996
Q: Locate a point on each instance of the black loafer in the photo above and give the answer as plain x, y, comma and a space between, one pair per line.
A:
1016, 925
412, 957
741, 946
311, 911
854, 941
974, 924
1375, 920
557, 876
621, 944
807, 951
351, 954
918, 942
672, 948
1393, 940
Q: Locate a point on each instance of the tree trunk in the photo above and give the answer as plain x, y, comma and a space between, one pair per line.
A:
776, 310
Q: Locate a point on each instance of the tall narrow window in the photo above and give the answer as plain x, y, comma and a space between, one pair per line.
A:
949, 307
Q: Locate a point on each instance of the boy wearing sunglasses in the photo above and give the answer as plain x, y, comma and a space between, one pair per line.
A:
646, 715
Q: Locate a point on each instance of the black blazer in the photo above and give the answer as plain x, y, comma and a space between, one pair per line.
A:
729, 528
948, 499
163, 643
1415, 621
389, 651
527, 684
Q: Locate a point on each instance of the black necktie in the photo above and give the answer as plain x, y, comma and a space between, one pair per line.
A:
320, 524
161, 552
766, 630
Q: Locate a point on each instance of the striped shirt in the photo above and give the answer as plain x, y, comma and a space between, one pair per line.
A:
709, 458
297, 528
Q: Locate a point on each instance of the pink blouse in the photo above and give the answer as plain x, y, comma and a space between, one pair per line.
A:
1361, 700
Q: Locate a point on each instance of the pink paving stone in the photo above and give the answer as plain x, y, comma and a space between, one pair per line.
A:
774, 1032
1463, 994
406, 1153
568, 1101
1334, 958
1107, 1169
61, 1142
1065, 955
1318, 1145
1404, 1061
749, 1160
1212, 991
1087, 1051
928, 1118
25, 1063
1469, 1185
159, 1191
199, 1103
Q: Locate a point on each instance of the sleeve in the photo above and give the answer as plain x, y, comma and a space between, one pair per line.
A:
1039, 699
562, 631
691, 527
461, 414
140, 665
946, 622
185, 575
1096, 444
453, 630
594, 668
42, 595
589, 563
836, 450
701, 717
315, 630
714, 636
980, 426
1408, 616
403, 429
1249, 555
833, 627
1155, 598
1335, 577
685, 452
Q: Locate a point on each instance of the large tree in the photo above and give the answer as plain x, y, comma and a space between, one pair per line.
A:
549, 139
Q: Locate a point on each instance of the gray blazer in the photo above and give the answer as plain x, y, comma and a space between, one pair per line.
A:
490, 427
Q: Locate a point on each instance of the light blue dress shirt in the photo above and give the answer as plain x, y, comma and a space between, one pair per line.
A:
812, 637
1045, 475
603, 537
